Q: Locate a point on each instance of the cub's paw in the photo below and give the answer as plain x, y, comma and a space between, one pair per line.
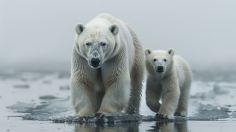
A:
182, 114
164, 116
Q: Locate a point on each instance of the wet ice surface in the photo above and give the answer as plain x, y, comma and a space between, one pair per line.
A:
28, 101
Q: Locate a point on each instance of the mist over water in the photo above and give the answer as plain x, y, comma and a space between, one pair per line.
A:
40, 34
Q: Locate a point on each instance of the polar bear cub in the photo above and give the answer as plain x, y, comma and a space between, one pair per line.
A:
169, 80
107, 68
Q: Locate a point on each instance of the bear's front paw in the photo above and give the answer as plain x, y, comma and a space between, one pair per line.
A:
160, 115
101, 114
85, 113
112, 114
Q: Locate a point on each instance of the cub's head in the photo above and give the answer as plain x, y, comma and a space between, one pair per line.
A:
159, 62
96, 43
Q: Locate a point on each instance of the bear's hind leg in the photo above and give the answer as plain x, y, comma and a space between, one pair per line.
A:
136, 87
137, 75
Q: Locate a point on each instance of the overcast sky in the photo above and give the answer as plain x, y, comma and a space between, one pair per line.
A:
40, 33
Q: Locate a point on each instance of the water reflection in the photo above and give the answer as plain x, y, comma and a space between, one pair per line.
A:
160, 127
170, 127
120, 128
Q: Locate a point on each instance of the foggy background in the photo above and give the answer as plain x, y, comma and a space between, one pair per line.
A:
39, 34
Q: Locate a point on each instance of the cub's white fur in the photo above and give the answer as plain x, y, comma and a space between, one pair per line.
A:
169, 79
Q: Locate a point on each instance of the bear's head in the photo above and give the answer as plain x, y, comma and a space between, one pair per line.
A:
159, 62
96, 43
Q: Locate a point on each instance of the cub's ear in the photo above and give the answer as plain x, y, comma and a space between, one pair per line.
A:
147, 52
171, 52
114, 29
79, 28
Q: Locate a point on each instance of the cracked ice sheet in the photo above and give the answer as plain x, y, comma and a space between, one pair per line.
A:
47, 97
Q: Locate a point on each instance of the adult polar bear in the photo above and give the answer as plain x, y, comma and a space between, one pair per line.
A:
107, 68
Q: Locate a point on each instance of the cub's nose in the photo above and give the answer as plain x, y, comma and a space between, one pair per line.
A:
160, 69
95, 62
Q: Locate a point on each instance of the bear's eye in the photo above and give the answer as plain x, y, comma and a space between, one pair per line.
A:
103, 44
155, 59
88, 44
164, 60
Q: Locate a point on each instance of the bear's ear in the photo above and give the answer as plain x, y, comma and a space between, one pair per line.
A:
171, 52
114, 29
79, 29
147, 51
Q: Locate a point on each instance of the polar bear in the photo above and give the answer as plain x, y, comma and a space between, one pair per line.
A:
169, 79
107, 68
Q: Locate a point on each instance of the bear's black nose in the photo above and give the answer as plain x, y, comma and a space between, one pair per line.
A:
95, 62
160, 69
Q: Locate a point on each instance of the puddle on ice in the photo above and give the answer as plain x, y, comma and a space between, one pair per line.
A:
44, 97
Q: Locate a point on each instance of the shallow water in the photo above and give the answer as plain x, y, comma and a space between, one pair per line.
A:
19, 125
45, 96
